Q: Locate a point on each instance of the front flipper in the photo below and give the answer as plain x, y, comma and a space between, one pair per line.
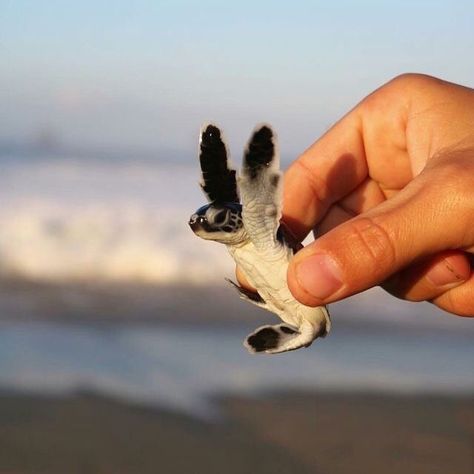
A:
218, 178
281, 338
261, 188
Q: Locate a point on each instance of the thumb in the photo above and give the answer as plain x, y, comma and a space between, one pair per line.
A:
363, 252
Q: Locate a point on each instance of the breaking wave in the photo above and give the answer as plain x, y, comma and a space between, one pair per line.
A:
90, 220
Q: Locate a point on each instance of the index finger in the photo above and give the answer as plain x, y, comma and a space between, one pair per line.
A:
331, 168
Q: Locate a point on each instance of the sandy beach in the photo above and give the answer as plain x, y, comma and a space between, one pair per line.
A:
279, 433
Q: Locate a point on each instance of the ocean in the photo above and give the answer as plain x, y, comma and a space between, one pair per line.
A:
184, 367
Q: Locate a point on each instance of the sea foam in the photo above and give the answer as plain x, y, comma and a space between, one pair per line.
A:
102, 220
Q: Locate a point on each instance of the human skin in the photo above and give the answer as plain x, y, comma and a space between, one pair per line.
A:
389, 193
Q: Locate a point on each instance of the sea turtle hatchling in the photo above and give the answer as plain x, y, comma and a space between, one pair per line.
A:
254, 237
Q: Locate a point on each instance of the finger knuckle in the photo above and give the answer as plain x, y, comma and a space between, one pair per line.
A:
459, 172
412, 80
371, 243
451, 183
403, 85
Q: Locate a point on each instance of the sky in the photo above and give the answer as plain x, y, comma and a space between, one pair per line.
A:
144, 75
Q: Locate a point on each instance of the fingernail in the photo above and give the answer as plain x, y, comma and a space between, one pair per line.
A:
319, 275
442, 275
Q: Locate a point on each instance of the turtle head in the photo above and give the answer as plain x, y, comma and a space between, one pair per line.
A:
221, 222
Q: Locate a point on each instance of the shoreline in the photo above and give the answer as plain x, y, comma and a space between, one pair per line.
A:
219, 304
22, 300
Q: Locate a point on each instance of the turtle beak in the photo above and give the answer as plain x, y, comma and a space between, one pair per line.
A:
195, 222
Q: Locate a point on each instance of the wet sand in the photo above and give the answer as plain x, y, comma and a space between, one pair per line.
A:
284, 433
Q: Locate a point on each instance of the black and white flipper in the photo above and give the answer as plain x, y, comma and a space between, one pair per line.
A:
285, 337
249, 296
218, 178
260, 188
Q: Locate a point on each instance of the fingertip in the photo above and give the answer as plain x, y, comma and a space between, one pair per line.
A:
431, 277
458, 300
315, 278
242, 279
297, 290
301, 207
451, 269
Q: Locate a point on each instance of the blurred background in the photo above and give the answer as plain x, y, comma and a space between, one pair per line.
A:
120, 344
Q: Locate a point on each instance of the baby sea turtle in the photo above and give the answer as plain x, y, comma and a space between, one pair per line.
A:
252, 232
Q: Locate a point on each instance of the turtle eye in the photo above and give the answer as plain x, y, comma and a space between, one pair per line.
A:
220, 217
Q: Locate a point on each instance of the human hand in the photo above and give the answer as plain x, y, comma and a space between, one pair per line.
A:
390, 191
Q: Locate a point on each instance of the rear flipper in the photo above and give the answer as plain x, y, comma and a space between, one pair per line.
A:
281, 338
249, 296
